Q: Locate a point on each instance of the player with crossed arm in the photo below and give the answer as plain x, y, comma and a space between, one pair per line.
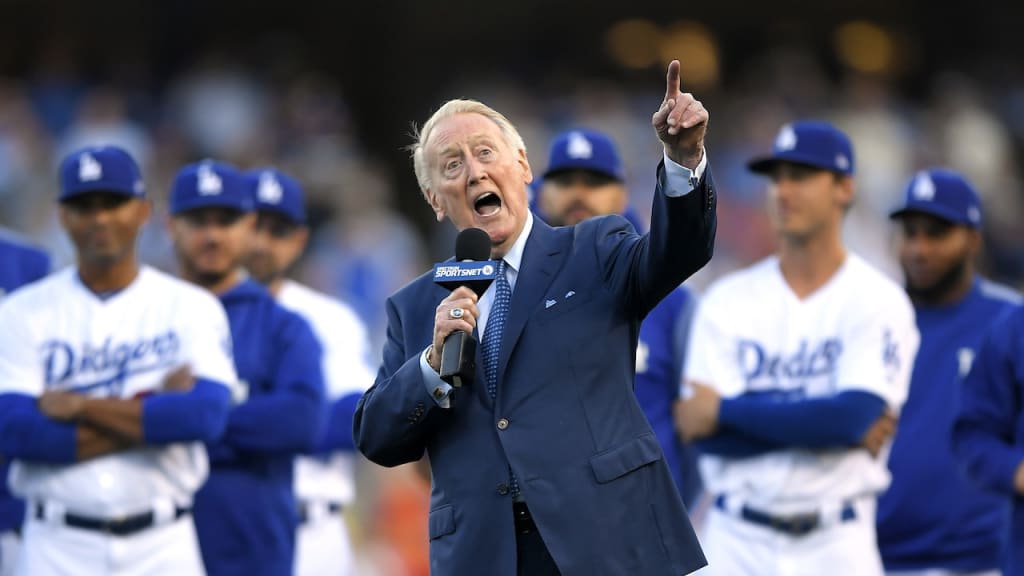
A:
932, 521
324, 480
793, 364
246, 514
112, 375
585, 178
20, 264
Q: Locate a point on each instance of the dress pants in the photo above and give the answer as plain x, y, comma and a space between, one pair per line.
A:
532, 556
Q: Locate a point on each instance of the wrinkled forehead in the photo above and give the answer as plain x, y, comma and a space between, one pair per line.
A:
467, 128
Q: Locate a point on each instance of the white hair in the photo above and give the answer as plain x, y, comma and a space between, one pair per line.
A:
421, 136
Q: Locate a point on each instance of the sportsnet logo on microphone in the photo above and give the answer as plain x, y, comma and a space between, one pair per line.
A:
477, 274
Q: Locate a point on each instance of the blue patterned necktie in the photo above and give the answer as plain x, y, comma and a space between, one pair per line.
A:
492, 345
495, 328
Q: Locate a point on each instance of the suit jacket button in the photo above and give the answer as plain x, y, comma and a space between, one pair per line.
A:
503, 489
503, 423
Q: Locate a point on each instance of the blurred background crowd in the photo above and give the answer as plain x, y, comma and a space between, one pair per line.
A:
328, 92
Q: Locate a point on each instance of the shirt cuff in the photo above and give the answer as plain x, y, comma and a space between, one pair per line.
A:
438, 389
680, 180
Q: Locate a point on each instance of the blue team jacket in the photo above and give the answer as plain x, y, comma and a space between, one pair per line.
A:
988, 435
20, 264
659, 365
932, 516
245, 514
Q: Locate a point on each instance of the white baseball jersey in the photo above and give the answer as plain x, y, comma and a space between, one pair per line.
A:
345, 353
752, 334
58, 335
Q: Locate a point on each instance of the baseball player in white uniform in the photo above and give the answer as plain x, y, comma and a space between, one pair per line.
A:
325, 480
797, 366
112, 375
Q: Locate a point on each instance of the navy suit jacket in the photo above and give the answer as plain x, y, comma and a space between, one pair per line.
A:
588, 464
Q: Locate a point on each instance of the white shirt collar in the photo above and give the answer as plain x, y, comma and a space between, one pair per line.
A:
514, 258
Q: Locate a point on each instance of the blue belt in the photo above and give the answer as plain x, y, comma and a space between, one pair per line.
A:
792, 524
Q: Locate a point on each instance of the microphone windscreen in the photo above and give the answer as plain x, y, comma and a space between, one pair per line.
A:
472, 244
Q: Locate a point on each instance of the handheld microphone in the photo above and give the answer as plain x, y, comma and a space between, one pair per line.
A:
473, 268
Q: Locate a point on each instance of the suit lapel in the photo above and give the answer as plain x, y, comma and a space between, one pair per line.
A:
542, 258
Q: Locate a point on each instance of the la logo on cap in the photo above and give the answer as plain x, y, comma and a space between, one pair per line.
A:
786, 140
924, 188
88, 168
579, 147
973, 214
269, 189
208, 183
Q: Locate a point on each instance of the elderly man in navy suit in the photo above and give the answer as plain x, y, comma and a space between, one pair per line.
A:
545, 463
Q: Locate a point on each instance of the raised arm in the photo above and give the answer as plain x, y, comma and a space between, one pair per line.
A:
683, 216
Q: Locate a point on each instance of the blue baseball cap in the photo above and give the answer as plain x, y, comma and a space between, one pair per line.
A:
275, 191
100, 169
943, 193
585, 150
209, 184
817, 144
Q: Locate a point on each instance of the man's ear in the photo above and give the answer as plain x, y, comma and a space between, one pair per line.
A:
302, 238
525, 163
974, 243
145, 210
847, 192
435, 204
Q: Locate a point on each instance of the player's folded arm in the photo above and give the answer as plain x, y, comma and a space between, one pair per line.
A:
27, 434
291, 418
93, 442
281, 422
337, 433
201, 414
829, 422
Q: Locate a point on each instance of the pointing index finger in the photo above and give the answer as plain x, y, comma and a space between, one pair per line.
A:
672, 81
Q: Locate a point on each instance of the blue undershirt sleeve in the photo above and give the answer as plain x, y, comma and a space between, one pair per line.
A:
338, 434
28, 434
201, 414
833, 421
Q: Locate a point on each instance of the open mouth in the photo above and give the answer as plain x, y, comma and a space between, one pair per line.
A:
487, 204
